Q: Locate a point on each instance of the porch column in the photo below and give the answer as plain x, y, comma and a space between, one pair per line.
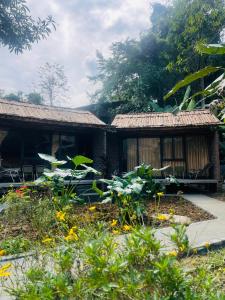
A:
3, 134
216, 156
55, 144
99, 151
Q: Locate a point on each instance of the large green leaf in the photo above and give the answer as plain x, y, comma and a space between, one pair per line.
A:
191, 105
213, 49
184, 102
192, 77
51, 159
80, 159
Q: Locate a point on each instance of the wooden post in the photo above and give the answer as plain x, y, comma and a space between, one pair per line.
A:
215, 156
3, 134
55, 144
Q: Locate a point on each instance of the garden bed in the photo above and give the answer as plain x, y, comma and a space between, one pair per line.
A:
82, 215
168, 205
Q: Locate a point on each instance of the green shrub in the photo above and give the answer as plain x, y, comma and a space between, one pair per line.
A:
130, 193
15, 245
98, 267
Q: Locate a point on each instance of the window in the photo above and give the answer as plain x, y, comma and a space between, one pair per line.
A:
173, 156
132, 157
142, 150
197, 152
149, 151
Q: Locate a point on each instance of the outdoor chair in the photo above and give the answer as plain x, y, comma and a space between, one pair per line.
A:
12, 173
28, 172
39, 169
202, 173
179, 171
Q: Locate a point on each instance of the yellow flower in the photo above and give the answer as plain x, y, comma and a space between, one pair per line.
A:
72, 236
4, 269
162, 217
182, 248
2, 252
127, 227
195, 250
172, 211
60, 215
115, 232
172, 253
160, 194
114, 223
47, 240
92, 208
207, 244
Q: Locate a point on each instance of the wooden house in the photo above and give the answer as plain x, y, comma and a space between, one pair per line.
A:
26, 130
186, 142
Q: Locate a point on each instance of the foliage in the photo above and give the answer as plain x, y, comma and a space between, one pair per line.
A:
95, 267
28, 212
190, 23
191, 78
214, 89
16, 245
130, 192
55, 178
18, 29
134, 75
213, 263
35, 98
180, 238
52, 82
13, 96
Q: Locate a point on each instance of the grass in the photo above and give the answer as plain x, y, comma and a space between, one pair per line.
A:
213, 262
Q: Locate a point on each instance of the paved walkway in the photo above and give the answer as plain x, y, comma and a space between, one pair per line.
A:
199, 233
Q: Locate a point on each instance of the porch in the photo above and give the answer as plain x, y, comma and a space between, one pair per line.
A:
186, 142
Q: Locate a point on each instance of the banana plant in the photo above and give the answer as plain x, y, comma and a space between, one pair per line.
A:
213, 90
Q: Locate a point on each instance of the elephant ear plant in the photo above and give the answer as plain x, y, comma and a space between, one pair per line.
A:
63, 182
130, 193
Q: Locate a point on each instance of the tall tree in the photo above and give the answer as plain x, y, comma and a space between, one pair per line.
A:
18, 29
190, 23
134, 74
14, 96
140, 71
53, 83
35, 98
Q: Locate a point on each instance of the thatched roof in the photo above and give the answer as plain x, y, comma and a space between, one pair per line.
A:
197, 118
47, 115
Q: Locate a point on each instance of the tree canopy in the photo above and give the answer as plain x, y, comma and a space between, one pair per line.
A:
139, 72
18, 29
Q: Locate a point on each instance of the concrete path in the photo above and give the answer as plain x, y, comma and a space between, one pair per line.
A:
200, 233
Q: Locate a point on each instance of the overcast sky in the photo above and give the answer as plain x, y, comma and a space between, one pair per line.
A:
83, 26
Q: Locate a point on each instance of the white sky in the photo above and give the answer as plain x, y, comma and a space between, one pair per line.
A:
83, 26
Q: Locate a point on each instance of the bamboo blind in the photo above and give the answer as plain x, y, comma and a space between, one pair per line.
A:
149, 152
131, 154
197, 152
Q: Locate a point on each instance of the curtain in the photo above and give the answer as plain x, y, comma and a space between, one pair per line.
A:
149, 152
167, 148
131, 154
197, 152
178, 148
